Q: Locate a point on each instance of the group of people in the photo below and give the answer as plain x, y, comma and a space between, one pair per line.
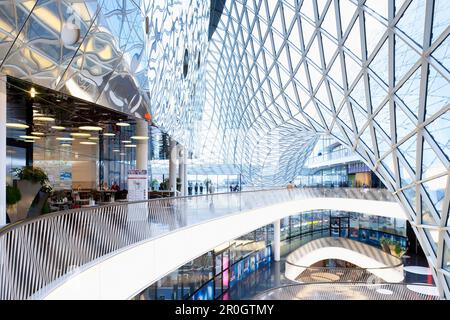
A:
234, 188
198, 188
114, 186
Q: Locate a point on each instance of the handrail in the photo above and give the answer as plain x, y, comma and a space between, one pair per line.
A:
36, 252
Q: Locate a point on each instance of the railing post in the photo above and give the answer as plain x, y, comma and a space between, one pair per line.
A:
276, 240
2, 150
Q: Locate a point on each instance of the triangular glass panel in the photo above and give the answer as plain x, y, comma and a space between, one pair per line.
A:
409, 92
439, 130
383, 119
405, 175
404, 124
408, 150
431, 165
359, 93
347, 11
438, 96
436, 191
377, 93
345, 117
360, 117
353, 41
383, 145
413, 20
380, 63
442, 53
329, 23
405, 58
410, 195
441, 17
388, 164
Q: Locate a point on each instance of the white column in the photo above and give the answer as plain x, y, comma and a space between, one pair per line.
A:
2, 150
142, 145
276, 246
182, 170
173, 164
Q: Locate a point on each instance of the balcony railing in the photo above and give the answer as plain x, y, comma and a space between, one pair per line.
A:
36, 254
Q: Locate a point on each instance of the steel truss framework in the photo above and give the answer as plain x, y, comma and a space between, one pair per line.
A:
373, 74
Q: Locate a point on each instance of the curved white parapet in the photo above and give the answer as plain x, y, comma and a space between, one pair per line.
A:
375, 261
125, 273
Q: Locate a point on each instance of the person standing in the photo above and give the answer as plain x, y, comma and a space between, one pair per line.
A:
196, 188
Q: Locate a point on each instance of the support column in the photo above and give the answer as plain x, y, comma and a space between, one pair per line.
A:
182, 170
142, 145
173, 164
276, 246
2, 150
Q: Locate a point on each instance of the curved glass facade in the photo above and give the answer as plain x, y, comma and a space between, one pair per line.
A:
372, 74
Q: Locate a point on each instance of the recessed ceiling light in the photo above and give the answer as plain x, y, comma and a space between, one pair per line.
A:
126, 141
130, 146
65, 139
123, 124
31, 141
116, 150
46, 119
32, 92
139, 137
93, 138
34, 133
123, 154
65, 145
80, 134
90, 128
17, 125
29, 137
88, 142
58, 128
108, 134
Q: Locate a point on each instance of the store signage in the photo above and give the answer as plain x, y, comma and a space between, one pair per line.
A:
137, 185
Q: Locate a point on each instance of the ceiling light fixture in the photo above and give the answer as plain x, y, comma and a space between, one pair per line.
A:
108, 134
140, 137
32, 92
80, 134
93, 138
31, 141
123, 124
88, 142
29, 137
46, 119
130, 146
17, 125
127, 141
90, 128
58, 128
64, 139
34, 133
65, 145
116, 150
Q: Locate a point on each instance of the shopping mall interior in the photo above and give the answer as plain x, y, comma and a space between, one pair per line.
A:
225, 150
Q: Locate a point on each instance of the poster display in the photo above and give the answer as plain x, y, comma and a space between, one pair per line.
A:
137, 185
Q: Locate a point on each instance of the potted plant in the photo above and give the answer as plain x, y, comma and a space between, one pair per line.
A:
13, 196
31, 180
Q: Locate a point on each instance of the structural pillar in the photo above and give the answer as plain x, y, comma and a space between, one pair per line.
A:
2, 150
276, 240
182, 170
173, 164
142, 145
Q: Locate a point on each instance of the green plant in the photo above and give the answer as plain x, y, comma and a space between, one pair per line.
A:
33, 174
45, 208
13, 195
